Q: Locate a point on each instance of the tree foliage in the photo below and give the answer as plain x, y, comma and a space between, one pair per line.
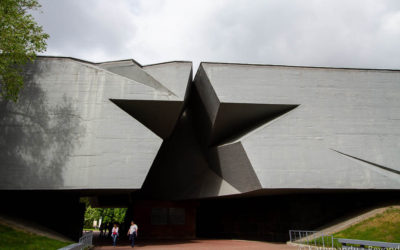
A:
108, 215
20, 39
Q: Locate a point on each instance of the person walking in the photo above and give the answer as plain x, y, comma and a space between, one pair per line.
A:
114, 234
109, 227
132, 233
102, 231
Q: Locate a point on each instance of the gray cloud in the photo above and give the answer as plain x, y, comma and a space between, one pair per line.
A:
358, 33
87, 29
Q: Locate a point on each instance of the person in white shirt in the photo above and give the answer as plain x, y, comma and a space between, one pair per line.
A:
114, 234
133, 230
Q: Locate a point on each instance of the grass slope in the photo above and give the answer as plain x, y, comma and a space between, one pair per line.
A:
382, 227
16, 240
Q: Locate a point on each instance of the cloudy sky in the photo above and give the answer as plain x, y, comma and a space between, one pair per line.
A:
338, 33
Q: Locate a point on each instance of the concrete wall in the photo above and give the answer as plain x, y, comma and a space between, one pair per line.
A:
344, 134
234, 129
65, 133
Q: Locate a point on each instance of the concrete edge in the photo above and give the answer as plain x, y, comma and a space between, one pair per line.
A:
301, 246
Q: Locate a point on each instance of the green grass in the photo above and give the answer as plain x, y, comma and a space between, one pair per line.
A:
382, 227
327, 242
18, 240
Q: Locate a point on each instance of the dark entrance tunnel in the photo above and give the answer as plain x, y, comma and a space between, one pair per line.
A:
269, 218
255, 216
59, 211
252, 216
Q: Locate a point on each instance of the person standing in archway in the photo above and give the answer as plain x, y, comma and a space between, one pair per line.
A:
132, 233
114, 234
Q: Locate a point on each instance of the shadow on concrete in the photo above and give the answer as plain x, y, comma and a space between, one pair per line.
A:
234, 120
231, 163
36, 137
180, 169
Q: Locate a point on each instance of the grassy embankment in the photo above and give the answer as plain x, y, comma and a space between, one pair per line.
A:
20, 240
382, 227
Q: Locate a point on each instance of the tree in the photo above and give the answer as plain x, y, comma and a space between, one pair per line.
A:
20, 39
108, 215
113, 215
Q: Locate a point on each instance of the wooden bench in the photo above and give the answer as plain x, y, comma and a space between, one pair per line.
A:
366, 244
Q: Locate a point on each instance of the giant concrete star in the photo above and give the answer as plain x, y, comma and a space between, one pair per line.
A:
202, 154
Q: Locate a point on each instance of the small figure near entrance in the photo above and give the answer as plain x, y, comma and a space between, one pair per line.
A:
132, 233
102, 231
109, 227
114, 234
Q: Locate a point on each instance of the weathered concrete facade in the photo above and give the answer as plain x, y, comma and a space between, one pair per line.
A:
344, 134
131, 134
66, 132
254, 127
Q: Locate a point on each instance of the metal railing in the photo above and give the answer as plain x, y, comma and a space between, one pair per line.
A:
366, 244
318, 240
85, 241
75, 246
313, 238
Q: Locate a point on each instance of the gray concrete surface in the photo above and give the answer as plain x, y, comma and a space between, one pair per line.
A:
352, 111
65, 133
234, 129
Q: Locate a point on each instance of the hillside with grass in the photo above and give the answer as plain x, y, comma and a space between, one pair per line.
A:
20, 240
382, 227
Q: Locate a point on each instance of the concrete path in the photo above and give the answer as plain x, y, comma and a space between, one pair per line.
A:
203, 245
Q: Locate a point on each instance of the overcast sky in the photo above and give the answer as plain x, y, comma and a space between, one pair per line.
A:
338, 33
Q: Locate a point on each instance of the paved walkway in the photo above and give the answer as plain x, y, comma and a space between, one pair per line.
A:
201, 245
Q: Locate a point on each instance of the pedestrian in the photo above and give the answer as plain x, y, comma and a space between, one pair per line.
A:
132, 233
109, 227
114, 234
102, 230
